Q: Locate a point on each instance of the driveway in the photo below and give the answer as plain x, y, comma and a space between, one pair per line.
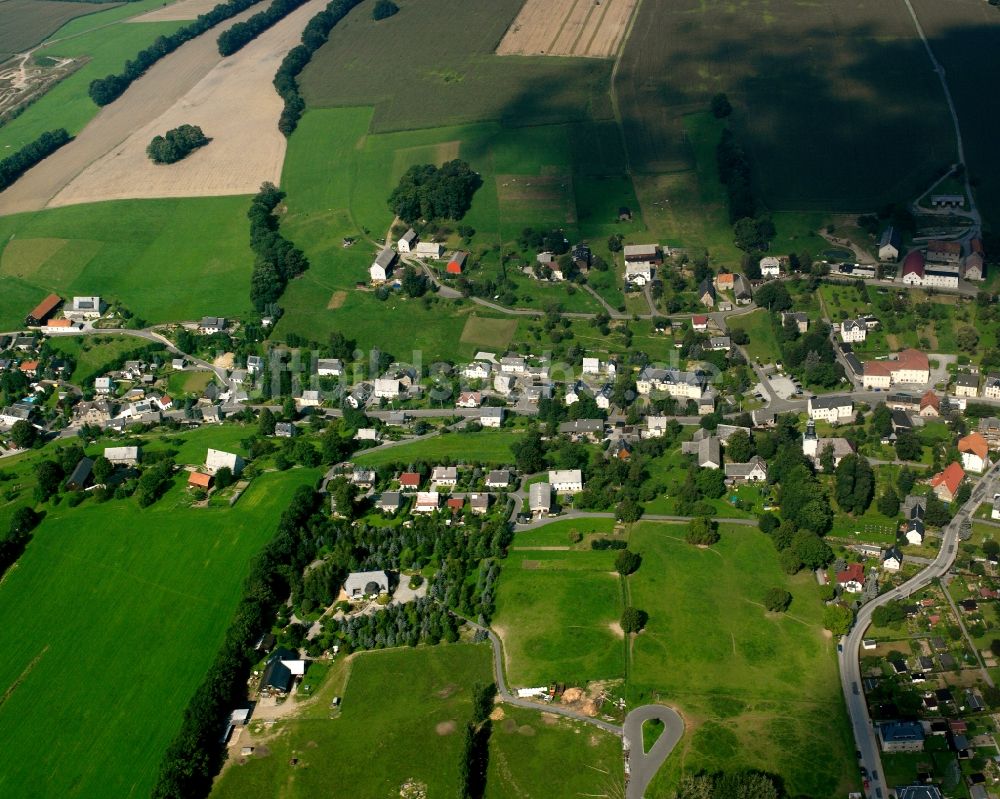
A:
642, 766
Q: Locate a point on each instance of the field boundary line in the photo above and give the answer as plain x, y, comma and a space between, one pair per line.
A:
22, 676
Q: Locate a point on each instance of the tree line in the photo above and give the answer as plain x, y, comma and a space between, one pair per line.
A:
242, 33
176, 144
13, 166
313, 37
277, 259
109, 88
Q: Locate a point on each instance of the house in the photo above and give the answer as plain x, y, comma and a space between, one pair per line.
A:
770, 266
200, 480
675, 383
912, 273
638, 274
724, 281
944, 252
710, 453
991, 386
914, 532
930, 405
540, 499
814, 447
995, 513
409, 480
946, 482
753, 471
43, 310
255, 364
706, 403
741, 290
363, 478
123, 456
280, 673
97, 413
444, 476
975, 452
512, 364
359, 397
329, 367
706, 293
469, 399
801, 319
719, 343
84, 308
284, 430
427, 502
389, 501
974, 265
910, 366
81, 474
367, 434
620, 450
407, 242
642, 253
359, 585
54, 326
479, 503
30, 368
428, 249
13, 414
477, 370
888, 245
210, 325
942, 275
853, 330
582, 257
892, 559
456, 264
498, 478
491, 417
455, 504
966, 385
566, 481
831, 409
901, 736
311, 398
381, 269
164, 403
901, 421
699, 322
388, 388
989, 428
575, 391
217, 459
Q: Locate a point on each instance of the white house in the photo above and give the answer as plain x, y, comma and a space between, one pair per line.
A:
359, 585
853, 330
367, 434
892, 560
477, 370
85, 308
428, 249
491, 417
381, 268
831, 409
566, 481
975, 451
770, 266
211, 324
444, 476
512, 364
753, 471
218, 459
387, 388
888, 245
311, 398
329, 367
122, 456
603, 397
102, 385
638, 273
540, 499
591, 366
407, 242
469, 399
427, 502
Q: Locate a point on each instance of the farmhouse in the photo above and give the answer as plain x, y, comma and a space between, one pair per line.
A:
428, 249
381, 269
283, 667
456, 264
753, 471
43, 310
359, 585
211, 324
946, 482
831, 409
888, 244
852, 579
709, 453
218, 459
123, 456
706, 293
407, 242
941, 275
540, 499
770, 266
724, 281
199, 480
566, 481
85, 308
642, 253
975, 452
974, 265
329, 367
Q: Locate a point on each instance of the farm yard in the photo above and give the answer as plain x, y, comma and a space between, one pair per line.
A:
236, 106
389, 65
129, 609
864, 97
750, 684
568, 28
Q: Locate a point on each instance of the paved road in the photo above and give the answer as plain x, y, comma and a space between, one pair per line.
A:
642, 767
865, 736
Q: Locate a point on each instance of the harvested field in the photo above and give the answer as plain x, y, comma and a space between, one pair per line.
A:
149, 97
183, 9
336, 300
568, 28
237, 107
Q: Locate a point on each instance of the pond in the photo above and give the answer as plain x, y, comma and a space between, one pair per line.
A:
838, 254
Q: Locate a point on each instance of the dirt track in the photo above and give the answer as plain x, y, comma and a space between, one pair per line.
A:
152, 95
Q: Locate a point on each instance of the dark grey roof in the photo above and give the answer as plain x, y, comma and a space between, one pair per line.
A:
967, 380
901, 731
81, 474
277, 675
828, 402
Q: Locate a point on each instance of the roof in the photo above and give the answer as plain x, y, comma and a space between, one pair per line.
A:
967, 380
540, 495
409, 479
362, 581
389, 498
386, 258
277, 675
950, 247
699, 319
408, 236
913, 264
498, 476
199, 479
81, 472
975, 444
743, 469
565, 476
951, 477
912, 359
855, 572
828, 403
709, 451
46, 306
901, 731
59, 323
889, 236
930, 399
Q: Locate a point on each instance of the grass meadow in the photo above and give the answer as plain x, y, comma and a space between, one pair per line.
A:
763, 345
757, 690
113, 616
386, 734
857, 86
556, 609
165, 260
93, 353
486, 446
28, 22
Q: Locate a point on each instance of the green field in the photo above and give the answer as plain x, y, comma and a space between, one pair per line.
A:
556, 611
386, 734
27, 22
113, 616
93, 353
486, 446
763, 345
165, 260
854, 83
752, 685
432, 64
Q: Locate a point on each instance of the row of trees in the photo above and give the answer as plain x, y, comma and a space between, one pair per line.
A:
242, 33
13, 166
314, 36
277, 259
176, 144
17, 536
426, 191
109, 88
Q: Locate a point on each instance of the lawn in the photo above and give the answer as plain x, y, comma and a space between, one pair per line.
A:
113, 615
93, 354
432, 64
485, 446
165, 260
857, 85
763, 344
386, 734
555, 614
751, 685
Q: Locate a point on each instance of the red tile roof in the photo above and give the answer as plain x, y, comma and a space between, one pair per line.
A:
855, 572
932, 399
28, 366
699, 320
46, 306
59, 323
200, 479
951, 476
914, 264
411, 479
975, 444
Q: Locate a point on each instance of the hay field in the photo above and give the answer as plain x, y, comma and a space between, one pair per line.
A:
838, 106
482, 331
28, 22
181, 10
568, 28
237, 107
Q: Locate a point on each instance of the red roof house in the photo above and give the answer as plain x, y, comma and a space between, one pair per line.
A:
913, 268
852, 578
29, 367
43, 310
930, 404
699, 322
409, 480
199, 480
456, 264
946, 482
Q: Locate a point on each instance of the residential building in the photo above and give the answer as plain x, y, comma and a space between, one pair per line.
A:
210, 325
930, 405
479, 503
97, 413
367, 434
217, 459
706, 293
389, 501
944, 252
566, 481
853, 330
198, 479
504, 384
407, 242
255, 364
359, 585
888, 245
381, 269
469, 399
975, 452
912, 273
311, 398
901, 736
428, 249
801, 319
910, 366
282, 669
753, 471
409, 481
699, 323
742, 292
852, 579
990, 430
85, 308
387, 388
329, 367
358, 398
102, 385
832, 409
686, 385
974, 265
491, 417
966, 385
719, 343
456, 264
892, 559
477, 370
921, 791
991, 386
444, 476
590, 429
123, 456
638, 274
814, 447
770, 266
642, 253
946, 482
512, 364
427, 502
724, 281
498, 478
706, 404
540, 499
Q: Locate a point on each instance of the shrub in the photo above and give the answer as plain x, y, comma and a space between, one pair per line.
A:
633, 620
702, 531
627, 562
178, 143
777, 600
